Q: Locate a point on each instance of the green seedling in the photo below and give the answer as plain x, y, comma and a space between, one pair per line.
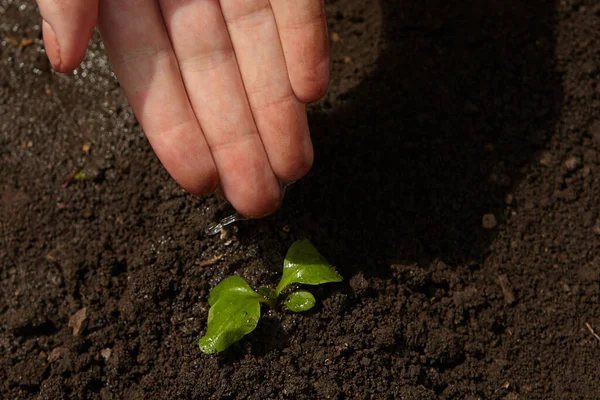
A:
235, 306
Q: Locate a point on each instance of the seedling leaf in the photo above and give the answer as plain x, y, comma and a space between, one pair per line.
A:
235, 307
234, 312
304, 264
300, 301
230, 286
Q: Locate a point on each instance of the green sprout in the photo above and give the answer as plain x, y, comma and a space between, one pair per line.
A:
235, 306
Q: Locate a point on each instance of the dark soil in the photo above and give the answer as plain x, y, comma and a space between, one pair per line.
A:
439, 114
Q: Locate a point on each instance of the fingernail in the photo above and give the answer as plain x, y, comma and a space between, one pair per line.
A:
52, 46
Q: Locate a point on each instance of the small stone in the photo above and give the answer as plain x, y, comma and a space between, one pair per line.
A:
596, 229
106, 353
347, 60
489, 221
77, 320
55, 354
572, 163
335, 37
509, 199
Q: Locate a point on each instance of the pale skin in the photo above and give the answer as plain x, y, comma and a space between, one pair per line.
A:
219, 86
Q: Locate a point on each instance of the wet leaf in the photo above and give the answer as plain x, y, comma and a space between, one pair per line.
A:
300, 301
304, 264
234, 312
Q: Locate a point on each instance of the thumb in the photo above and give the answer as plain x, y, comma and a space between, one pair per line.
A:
67, 26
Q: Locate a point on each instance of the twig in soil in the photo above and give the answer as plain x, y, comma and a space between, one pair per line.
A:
592, 331
210, 261
70, 178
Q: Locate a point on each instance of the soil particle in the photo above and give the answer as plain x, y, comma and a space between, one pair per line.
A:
77, 320
105, 353
572, 163
509, 295
56, 354
488, 221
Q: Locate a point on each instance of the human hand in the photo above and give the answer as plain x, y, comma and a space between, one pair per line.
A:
218, 86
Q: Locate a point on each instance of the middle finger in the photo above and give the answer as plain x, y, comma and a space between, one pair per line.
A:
216, 91
279, 115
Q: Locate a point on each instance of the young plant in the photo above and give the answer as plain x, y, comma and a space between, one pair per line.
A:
235, 306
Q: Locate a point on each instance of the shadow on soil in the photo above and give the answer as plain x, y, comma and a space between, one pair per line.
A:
463, 97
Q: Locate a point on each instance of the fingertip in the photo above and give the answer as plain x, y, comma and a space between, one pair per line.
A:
312, 83
196, 175
62, 60
256, 203
67, 28
296, 168
199, 184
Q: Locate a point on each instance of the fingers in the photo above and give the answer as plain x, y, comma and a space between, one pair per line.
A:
303, 32
212, 78
139, 48
67, 27
279, 116
216, 91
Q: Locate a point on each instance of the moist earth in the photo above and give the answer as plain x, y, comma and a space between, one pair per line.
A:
456, 188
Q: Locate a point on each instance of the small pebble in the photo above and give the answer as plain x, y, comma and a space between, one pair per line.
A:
77, 320
55, 354
106, 353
